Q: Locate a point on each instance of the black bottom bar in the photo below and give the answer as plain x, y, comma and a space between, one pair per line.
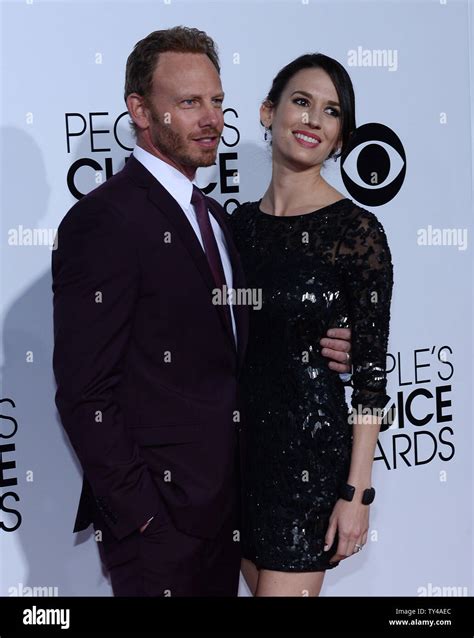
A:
393, 616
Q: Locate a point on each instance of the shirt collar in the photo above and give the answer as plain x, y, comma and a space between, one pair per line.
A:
176, 183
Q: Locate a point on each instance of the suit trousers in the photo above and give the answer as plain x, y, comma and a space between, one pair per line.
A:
163, 561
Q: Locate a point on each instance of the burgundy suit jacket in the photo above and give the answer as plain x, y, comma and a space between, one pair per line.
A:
145, 364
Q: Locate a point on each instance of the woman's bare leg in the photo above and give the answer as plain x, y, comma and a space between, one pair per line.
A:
272, 583
250, 574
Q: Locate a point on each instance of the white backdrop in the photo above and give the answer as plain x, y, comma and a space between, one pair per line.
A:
62, 58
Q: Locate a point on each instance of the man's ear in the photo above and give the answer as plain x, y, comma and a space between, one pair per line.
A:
138, 110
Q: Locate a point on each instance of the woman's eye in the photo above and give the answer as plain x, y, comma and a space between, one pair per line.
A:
298, 101
335, 112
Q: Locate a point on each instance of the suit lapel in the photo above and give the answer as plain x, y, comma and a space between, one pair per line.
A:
167, 205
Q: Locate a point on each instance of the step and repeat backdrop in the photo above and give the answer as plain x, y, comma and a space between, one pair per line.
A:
64, 130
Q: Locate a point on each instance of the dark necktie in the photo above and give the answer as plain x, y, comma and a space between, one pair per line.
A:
210, 245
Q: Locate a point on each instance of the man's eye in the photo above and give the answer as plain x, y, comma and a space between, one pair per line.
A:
188, 102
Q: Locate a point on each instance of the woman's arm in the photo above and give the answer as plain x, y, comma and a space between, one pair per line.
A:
365, 262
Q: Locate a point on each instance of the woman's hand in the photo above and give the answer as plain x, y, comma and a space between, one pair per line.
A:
336, 346
351, 520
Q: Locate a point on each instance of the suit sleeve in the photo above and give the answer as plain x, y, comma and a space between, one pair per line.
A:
95, 275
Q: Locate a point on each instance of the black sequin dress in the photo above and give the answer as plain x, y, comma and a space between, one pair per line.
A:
328, 268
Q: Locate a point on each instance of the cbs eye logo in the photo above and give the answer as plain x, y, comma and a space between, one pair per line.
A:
374, 166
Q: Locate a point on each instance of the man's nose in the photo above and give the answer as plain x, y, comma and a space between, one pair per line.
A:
212, 116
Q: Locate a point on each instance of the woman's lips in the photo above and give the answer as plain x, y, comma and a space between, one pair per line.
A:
306, 140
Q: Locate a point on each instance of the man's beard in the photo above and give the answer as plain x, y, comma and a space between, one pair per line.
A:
173, 146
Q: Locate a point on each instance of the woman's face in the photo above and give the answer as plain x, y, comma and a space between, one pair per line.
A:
306, 122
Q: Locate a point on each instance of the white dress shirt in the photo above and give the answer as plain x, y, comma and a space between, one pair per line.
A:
181, 189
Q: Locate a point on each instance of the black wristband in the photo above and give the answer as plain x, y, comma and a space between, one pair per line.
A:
347, 492
368, 496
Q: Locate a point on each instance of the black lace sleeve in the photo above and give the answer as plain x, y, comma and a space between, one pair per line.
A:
366, 265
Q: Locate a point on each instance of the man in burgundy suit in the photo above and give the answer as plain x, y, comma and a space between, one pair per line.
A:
146, 365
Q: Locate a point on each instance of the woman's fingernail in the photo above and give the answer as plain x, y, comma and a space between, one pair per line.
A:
326, 547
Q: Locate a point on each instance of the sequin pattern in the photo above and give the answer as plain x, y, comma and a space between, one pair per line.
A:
328, 268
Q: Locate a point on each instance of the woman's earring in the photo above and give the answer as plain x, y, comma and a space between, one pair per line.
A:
266, 134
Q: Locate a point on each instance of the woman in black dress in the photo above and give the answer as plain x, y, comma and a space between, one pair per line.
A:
321, 261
